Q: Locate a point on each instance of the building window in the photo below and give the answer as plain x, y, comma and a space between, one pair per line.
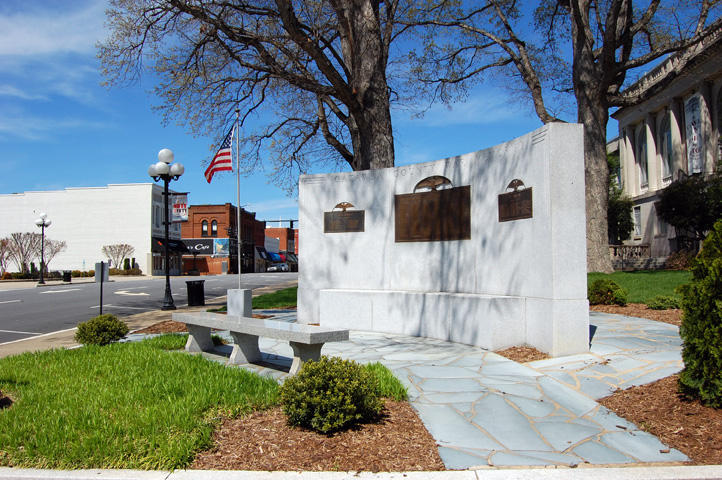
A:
637, 222
665, 149
204, 228
642, 158
157, 216
662, 227
214, 228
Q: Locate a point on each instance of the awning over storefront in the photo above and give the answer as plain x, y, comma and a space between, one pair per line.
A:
274, 257
291, 258
158, 245
262, 253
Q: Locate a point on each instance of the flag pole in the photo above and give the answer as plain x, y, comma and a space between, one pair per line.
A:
239, 247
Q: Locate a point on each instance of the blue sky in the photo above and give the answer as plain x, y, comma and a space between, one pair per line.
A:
60, 128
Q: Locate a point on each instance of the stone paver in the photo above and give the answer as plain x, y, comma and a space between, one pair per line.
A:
486, 410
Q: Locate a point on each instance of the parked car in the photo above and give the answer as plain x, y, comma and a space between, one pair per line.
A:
278, 267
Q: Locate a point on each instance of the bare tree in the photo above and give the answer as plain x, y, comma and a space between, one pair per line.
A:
314, 71
24, 248
607, 40
52, 249
4, 254
116, 253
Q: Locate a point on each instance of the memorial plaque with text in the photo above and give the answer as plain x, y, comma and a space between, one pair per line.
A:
343, 222
438, 215
515, 205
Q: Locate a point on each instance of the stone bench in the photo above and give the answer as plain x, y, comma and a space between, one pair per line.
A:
305, 340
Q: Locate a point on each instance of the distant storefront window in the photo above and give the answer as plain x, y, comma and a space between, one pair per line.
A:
204, 228
637, 222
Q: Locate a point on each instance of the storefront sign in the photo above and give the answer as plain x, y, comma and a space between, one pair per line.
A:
200, 246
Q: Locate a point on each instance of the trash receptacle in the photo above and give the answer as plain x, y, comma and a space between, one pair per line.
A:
67, 277
196, 295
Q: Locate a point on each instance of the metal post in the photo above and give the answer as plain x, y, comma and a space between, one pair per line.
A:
42, 253
102, 276
168, 299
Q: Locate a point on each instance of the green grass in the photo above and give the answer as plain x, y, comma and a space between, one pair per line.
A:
643, 286
119, 406
391, 387
280, 299
127, 406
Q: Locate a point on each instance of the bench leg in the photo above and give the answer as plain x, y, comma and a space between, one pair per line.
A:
302, 352
199, 339
245, 349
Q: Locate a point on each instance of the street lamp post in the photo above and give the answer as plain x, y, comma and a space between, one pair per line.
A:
42, 222
166, 172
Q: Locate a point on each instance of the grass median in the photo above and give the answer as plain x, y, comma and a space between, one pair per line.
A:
642, 286
126, 406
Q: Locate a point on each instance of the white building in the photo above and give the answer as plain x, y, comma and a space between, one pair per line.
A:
89, 218
677, 131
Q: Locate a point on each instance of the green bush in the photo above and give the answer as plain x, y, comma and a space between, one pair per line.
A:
7, 276
680, 260
330, 394
701, 329
101, 330
607, 292
663, 302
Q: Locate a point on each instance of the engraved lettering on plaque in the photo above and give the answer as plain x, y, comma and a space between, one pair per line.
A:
440, 213
345, 220
516, 205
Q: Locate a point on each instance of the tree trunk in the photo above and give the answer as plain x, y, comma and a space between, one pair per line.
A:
366, 56
593, 113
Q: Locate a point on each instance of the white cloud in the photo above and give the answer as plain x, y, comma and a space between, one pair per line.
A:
11, 91
39, 29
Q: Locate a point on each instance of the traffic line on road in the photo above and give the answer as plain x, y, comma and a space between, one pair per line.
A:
61, 291
126, 292
105, 305
21, 333
39, 336
10, 301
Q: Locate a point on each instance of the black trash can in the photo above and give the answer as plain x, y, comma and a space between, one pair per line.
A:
67, 277
196, 295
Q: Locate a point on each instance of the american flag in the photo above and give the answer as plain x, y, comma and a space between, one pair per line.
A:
223, 161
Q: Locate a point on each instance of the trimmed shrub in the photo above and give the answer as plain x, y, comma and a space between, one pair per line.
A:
663, 302
606, 292
701, 329
330, 394
101, 330
680, 260
7, 276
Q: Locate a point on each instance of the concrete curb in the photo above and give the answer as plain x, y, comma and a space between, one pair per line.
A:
626, 473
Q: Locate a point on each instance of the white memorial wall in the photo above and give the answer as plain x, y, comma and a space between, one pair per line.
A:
486, 249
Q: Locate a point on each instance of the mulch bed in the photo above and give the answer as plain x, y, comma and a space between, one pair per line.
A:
684, 424
262, 441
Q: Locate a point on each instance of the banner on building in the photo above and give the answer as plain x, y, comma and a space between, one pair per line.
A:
695, 145
180, 208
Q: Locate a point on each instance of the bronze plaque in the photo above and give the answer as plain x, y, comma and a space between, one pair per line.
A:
438, 215
515, 205
344, 221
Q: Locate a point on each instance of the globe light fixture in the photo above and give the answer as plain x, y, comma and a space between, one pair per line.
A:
163, 170
42, 222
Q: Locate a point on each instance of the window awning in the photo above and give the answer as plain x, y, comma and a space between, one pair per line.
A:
291, 257
274, 257
262, 252
158, 245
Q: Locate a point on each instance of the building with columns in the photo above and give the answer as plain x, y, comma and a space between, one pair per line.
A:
673, 133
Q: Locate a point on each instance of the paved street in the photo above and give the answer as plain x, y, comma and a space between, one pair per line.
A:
27, 310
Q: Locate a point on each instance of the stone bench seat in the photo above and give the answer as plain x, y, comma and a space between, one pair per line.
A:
305, 340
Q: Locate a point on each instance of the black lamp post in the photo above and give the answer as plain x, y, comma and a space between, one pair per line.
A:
166, 172
42, 222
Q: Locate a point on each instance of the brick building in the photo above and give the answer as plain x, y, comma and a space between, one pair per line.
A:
287, 245
210, 235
